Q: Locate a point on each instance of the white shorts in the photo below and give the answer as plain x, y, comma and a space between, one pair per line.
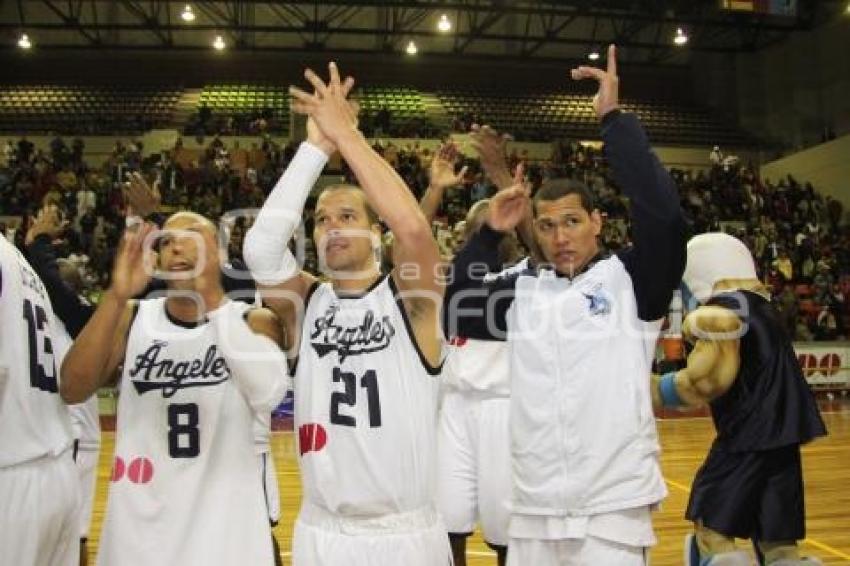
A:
416, 538
86, 461
38, 514
474, 465
574, 552
270, 487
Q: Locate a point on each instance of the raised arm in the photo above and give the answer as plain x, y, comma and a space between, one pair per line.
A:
656, 261
441, 176
71, 310
100, 347
416, 254
477, 303
283, 286
490, 146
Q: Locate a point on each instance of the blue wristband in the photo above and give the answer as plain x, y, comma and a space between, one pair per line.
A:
667, 388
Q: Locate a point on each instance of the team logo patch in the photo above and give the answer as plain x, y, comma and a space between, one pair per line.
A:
312, 437
598, 302
370, 335
140, 470
153, 371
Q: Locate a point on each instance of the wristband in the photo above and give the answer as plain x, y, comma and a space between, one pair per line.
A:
667, 389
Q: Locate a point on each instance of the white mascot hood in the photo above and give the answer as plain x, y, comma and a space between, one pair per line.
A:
713, 257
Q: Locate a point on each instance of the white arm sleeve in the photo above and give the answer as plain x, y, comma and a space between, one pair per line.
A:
265, 247
257, 365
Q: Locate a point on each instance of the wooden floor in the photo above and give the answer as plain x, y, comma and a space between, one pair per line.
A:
684, 442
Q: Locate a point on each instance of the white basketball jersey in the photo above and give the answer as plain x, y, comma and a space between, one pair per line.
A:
34, 420
481, 366
365, 406
185, 486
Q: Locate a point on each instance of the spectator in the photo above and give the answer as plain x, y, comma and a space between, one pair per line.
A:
715, 157
784, 266
826, 327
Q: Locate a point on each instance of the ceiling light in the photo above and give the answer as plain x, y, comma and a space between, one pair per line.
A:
444, 25
188, 15
593, 55
411, 48
681, 38
219, 43
24, 42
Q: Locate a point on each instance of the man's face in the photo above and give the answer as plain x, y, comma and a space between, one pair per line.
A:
343, 233
566, 233
187, 245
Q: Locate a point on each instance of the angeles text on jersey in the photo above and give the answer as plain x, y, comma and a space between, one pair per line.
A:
150, 372
369, 336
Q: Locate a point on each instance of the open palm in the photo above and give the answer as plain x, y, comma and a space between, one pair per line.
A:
131, 273
442, 173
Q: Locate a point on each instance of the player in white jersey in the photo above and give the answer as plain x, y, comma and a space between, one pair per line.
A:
62, 281
39, 490
368, 348
197, 369
473, 448
473, 438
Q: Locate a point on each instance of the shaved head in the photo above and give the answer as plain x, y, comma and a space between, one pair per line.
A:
186, 218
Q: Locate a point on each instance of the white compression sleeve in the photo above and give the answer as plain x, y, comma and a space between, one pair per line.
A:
265, 247
257, 365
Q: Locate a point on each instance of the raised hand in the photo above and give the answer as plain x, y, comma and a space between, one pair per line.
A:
442, 174
509, 206
142, 198
328, 106
131, 273
607, 98
46, 222
490, 146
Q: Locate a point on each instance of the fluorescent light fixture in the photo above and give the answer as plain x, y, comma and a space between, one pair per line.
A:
188, 15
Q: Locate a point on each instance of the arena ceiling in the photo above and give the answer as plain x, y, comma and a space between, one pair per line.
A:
520, 29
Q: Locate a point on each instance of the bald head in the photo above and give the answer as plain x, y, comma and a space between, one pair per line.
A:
186, 219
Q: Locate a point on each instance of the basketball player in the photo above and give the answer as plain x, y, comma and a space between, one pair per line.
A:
744, 367
473, 438
368, 348
473, 450
197, 369
581, 332
39, 488
64, 285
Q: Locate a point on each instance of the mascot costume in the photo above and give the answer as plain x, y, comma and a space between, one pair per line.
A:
743, 366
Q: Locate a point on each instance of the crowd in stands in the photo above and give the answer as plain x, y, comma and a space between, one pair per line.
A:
796, 234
